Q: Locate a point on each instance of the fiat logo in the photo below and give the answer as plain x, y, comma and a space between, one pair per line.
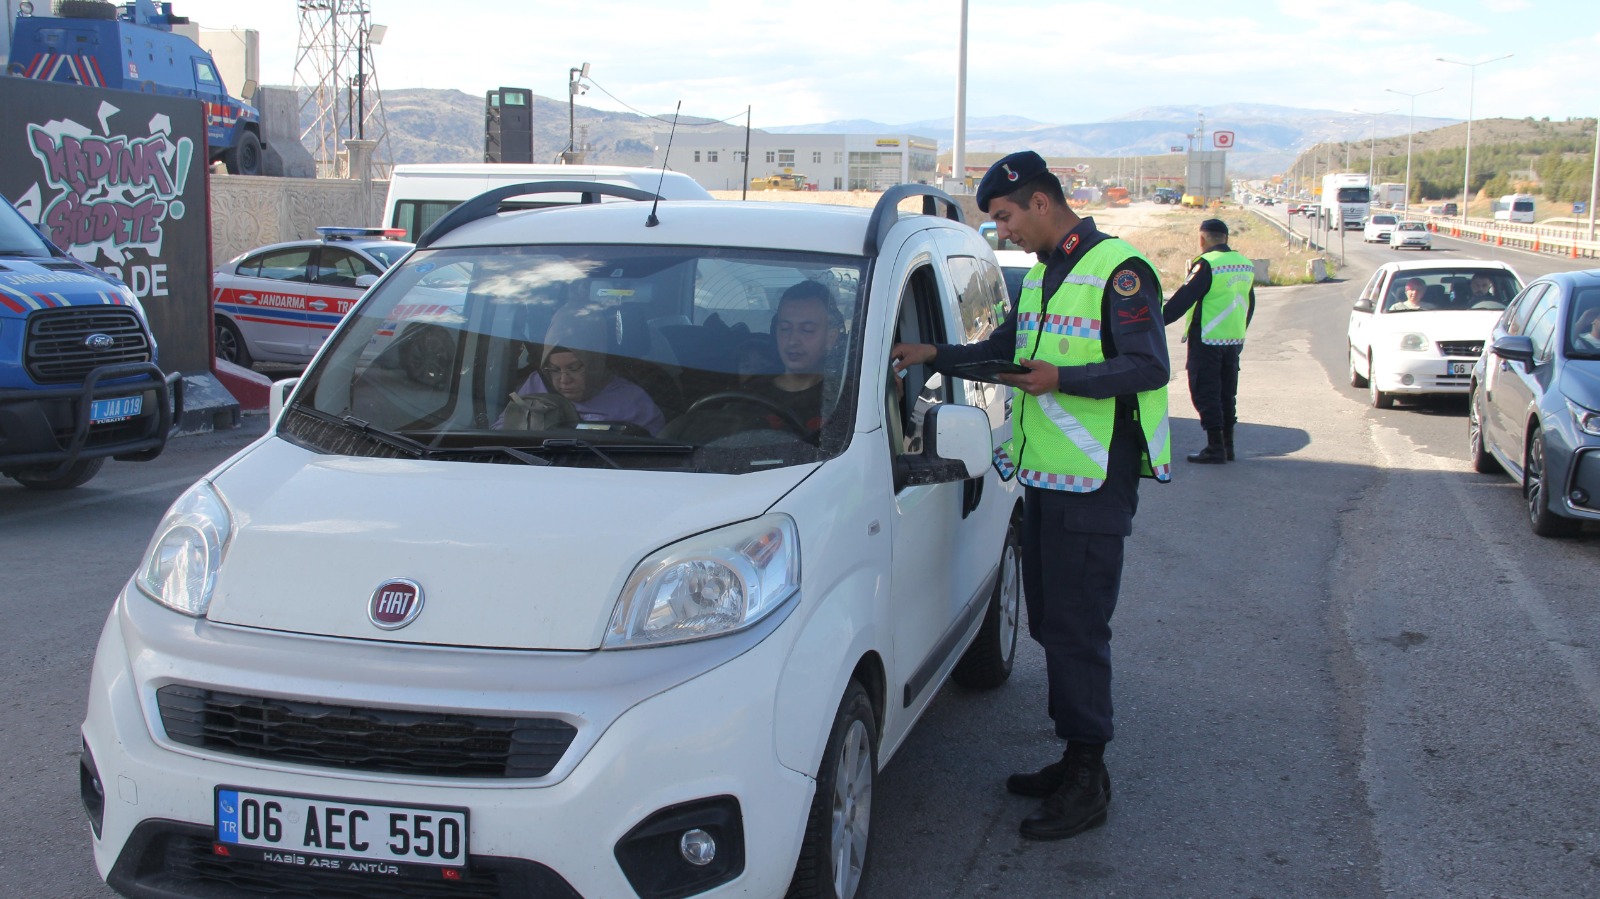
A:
395, 604
99, 341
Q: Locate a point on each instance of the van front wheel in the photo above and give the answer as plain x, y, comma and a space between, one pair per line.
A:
833, 850
987, 662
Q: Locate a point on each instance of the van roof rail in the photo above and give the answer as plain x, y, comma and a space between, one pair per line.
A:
887, 212
488, 203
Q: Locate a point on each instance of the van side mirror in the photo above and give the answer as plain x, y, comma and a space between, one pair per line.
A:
277, 396
1514, 348
957, 446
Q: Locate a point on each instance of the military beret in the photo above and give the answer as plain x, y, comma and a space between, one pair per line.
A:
1214, 226
1010, 173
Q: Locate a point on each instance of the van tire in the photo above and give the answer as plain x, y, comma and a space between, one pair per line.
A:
849, 766
987, 662
76, 476
245, 158
86, 9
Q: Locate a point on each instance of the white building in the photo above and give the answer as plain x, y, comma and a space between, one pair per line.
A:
828, 161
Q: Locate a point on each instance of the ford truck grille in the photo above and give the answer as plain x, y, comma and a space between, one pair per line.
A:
58, 350
363, 739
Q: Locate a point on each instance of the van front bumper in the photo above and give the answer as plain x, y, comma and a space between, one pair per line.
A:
657, 751
50, 428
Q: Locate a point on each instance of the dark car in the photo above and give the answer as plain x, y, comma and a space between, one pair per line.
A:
1535, 407
1450, 209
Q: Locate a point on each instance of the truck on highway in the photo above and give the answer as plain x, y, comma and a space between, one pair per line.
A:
1389, 194
134, 47
1346, 200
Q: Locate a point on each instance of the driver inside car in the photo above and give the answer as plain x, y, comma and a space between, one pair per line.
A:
806, 328
579, 376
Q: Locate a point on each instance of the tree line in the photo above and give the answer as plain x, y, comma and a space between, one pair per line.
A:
1559, 168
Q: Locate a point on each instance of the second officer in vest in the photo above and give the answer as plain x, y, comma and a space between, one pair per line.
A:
1219, 298
1090, 420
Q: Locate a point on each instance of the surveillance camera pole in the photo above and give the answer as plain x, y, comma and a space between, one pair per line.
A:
575, 87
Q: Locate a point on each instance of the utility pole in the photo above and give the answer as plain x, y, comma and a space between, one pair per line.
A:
958, 151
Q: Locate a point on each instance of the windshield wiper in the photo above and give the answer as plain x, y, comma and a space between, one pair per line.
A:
388, 438
562, 443
520, 455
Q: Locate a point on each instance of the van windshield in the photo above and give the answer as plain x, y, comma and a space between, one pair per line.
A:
672, 358
17, 237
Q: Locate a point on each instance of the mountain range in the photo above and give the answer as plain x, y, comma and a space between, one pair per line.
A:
430, 125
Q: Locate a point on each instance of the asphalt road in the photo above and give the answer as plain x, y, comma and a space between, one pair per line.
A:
1345, 668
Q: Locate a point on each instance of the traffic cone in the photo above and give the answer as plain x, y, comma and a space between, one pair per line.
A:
1536, 244
1499, 240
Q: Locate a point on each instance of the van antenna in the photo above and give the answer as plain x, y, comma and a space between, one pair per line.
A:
652, 221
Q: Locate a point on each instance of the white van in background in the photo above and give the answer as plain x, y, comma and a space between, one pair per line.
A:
1514, 208
419, 194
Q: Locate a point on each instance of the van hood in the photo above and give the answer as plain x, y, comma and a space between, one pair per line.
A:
507, 556
30, 283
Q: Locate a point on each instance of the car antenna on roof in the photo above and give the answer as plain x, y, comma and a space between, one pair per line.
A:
652, 221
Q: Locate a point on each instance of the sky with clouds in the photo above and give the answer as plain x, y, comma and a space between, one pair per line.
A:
895, 61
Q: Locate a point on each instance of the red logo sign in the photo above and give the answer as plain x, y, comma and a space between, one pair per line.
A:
395, 604
1222, 139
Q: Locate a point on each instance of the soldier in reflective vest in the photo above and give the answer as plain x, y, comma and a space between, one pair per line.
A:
1219, 298
1090, 420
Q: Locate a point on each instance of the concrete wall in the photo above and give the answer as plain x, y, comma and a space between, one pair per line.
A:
249, 211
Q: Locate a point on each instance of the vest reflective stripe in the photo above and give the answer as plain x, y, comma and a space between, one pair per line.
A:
1060, 441
1224, 309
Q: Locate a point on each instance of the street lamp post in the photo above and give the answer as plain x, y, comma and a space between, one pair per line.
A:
1466, 175
1411, 126
1372, 146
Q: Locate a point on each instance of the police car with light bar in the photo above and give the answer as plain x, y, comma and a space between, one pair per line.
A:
278, 303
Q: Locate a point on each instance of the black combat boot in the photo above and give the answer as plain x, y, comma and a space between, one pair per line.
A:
1047, 780
1227, 441
1215, 452
1079, 804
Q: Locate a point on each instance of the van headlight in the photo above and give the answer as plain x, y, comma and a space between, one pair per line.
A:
1414, 342
180, 567
708, 585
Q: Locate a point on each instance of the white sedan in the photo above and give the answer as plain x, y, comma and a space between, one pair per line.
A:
1413, 235
1378, 228
1418, 327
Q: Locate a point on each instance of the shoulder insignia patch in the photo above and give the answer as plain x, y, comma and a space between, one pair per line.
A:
1125, 283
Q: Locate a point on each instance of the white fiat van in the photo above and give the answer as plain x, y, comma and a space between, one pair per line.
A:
492, 635
421, 193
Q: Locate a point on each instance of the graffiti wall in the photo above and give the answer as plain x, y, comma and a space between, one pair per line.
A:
118, 180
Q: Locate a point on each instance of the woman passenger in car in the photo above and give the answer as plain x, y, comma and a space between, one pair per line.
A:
581, 376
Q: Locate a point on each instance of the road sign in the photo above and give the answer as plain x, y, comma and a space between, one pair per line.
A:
1222, 140
1174, 149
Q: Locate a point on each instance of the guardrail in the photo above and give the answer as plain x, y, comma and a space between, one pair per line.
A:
1540, 238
